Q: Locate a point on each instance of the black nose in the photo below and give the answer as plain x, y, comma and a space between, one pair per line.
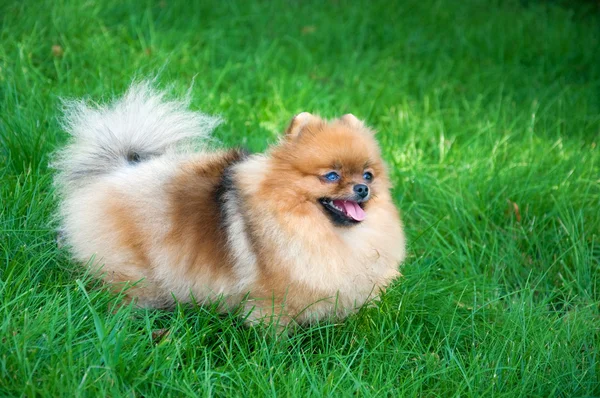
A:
361, 190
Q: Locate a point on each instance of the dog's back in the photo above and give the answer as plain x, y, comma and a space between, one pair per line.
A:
113, 178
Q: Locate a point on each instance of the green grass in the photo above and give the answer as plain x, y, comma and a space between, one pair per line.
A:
481, 107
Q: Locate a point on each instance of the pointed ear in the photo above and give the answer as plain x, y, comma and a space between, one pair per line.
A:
352, 121
298, 123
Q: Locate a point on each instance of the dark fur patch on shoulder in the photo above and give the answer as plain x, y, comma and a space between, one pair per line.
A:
227, 184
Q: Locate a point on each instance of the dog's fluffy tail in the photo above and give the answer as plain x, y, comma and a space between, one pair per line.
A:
140, 125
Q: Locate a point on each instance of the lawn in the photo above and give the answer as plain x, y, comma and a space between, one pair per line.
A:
488, 114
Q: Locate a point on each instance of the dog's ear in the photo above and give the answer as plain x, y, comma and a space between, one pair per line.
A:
298, 123
352, 121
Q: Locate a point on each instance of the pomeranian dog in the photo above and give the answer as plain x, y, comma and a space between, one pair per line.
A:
304, 232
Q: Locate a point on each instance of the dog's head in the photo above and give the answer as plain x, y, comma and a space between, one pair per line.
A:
335, 165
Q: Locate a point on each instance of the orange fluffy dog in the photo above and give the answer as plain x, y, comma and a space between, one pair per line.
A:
306, 231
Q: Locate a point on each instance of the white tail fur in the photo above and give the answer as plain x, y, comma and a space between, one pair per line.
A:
141, 124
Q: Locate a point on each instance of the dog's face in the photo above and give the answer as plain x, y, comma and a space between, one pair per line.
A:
336, 166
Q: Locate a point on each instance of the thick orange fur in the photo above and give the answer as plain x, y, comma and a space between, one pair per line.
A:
248, 229
311, 267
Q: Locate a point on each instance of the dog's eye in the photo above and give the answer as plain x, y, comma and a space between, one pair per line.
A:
332, 176
368, 176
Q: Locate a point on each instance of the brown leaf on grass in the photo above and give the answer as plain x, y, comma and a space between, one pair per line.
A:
307, 30
514, 209
159, 334
57, 51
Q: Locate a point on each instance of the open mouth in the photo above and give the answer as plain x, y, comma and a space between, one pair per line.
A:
344, 212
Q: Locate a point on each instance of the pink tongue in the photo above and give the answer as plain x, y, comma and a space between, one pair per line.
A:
352, 209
